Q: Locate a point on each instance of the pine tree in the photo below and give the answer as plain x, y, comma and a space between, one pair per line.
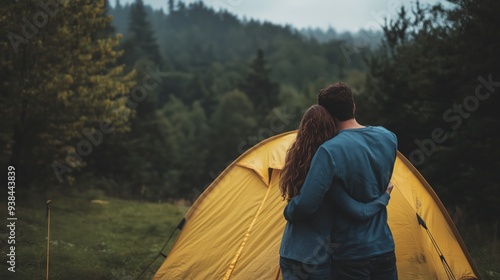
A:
108, 30
120, 17
258, 86
171, 6
60, 86
141, 34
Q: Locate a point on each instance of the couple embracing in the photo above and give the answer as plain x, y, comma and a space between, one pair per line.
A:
336, 180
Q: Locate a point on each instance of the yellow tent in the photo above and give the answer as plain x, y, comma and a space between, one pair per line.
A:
234, 229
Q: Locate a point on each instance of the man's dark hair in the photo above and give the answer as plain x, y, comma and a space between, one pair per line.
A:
338, 100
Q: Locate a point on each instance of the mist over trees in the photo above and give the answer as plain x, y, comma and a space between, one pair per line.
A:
152, 104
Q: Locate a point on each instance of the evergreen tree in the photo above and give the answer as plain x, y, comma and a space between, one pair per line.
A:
147, 144
108, 30
258, 86
120, 16
141, 41
61, 88
171, 7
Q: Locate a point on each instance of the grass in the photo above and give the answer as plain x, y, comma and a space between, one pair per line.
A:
113, 240
482, 242
118, 239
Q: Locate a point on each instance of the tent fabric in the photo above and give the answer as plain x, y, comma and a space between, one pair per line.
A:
234, 229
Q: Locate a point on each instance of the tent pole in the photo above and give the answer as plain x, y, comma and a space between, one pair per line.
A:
47, 217
447, 267
179, 227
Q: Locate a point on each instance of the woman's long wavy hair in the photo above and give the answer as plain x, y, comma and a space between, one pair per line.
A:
315, 128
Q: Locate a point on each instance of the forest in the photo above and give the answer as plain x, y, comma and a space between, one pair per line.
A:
152, 105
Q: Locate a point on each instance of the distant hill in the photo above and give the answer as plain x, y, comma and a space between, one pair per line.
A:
368, 38
121, 14
194, 37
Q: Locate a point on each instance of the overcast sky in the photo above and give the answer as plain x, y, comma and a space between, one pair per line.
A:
346, 15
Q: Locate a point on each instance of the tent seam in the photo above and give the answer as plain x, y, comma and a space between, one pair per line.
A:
245, 239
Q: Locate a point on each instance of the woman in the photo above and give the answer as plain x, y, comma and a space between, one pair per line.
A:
302, 257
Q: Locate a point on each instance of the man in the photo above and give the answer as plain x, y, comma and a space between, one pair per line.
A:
360, 160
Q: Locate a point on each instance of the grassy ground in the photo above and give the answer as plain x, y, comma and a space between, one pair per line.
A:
117, 239
483, 244
113, 240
